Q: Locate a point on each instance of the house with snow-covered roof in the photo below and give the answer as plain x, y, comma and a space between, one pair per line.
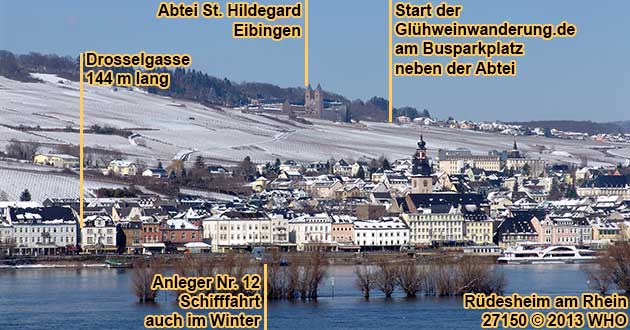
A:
43, 230
121, 168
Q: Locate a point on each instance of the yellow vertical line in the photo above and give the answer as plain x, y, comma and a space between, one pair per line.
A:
265, 296
389, 69
81, 141
305, 42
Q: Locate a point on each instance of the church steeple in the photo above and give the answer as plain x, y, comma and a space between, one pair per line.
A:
421, 164
421, 179
515, 153
421, 144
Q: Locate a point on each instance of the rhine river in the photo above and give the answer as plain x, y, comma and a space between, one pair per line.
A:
56, 299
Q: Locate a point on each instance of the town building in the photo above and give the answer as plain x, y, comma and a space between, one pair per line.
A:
151, 230
517, 229
385, 234
605, 185
178, 232
563, 230
458, 164
233, 230
311, 231
43, 230
98, 235
519, 163
342, 228
132, 231
155, 173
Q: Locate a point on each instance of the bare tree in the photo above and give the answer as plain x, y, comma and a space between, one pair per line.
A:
22, 150
477, 277
616, 263
366, 280
386, 277
410, 278
277, 277
599, 279
143, 272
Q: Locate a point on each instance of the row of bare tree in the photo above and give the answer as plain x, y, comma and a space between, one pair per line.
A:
299, 279
437, 278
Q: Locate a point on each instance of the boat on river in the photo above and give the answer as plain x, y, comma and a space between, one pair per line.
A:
558, 254
118, 263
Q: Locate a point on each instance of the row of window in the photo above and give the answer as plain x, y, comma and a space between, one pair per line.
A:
91, 231
386, 234
91, 241
238, 236
67, 229
380, 243
66, 239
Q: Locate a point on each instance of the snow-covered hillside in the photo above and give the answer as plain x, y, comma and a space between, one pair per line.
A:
170, 128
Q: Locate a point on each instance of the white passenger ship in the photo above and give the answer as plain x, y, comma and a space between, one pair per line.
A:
551, 254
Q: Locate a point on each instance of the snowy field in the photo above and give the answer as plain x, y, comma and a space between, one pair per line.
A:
170, 128
44, 184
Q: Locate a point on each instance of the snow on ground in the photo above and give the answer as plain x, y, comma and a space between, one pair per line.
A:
168, 128
625, 152
42, 184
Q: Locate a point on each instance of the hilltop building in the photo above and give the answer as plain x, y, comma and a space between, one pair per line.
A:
517, 162
316, 106
457, 161
57, 160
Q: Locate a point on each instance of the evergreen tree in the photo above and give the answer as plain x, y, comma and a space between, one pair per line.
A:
571, 192
361, 173
121, 240
246, 168
526, 170
25, 196
199, 163
385, 165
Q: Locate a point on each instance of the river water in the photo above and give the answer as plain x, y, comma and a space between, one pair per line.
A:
56, 299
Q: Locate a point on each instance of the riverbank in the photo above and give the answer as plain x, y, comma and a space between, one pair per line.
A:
346, 259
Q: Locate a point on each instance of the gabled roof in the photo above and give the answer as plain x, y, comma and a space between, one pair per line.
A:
452, 199
54, 214
516, 224
607, 181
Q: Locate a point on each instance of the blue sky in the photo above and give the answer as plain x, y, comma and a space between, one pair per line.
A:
586, 77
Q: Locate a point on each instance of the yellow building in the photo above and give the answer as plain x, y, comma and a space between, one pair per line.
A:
479, 231
57, 160
606, 232
122, 168
455, 164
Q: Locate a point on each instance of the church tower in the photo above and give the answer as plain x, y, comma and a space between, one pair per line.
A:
515, 153
318, 102
314, 102
421, 179
308, 99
